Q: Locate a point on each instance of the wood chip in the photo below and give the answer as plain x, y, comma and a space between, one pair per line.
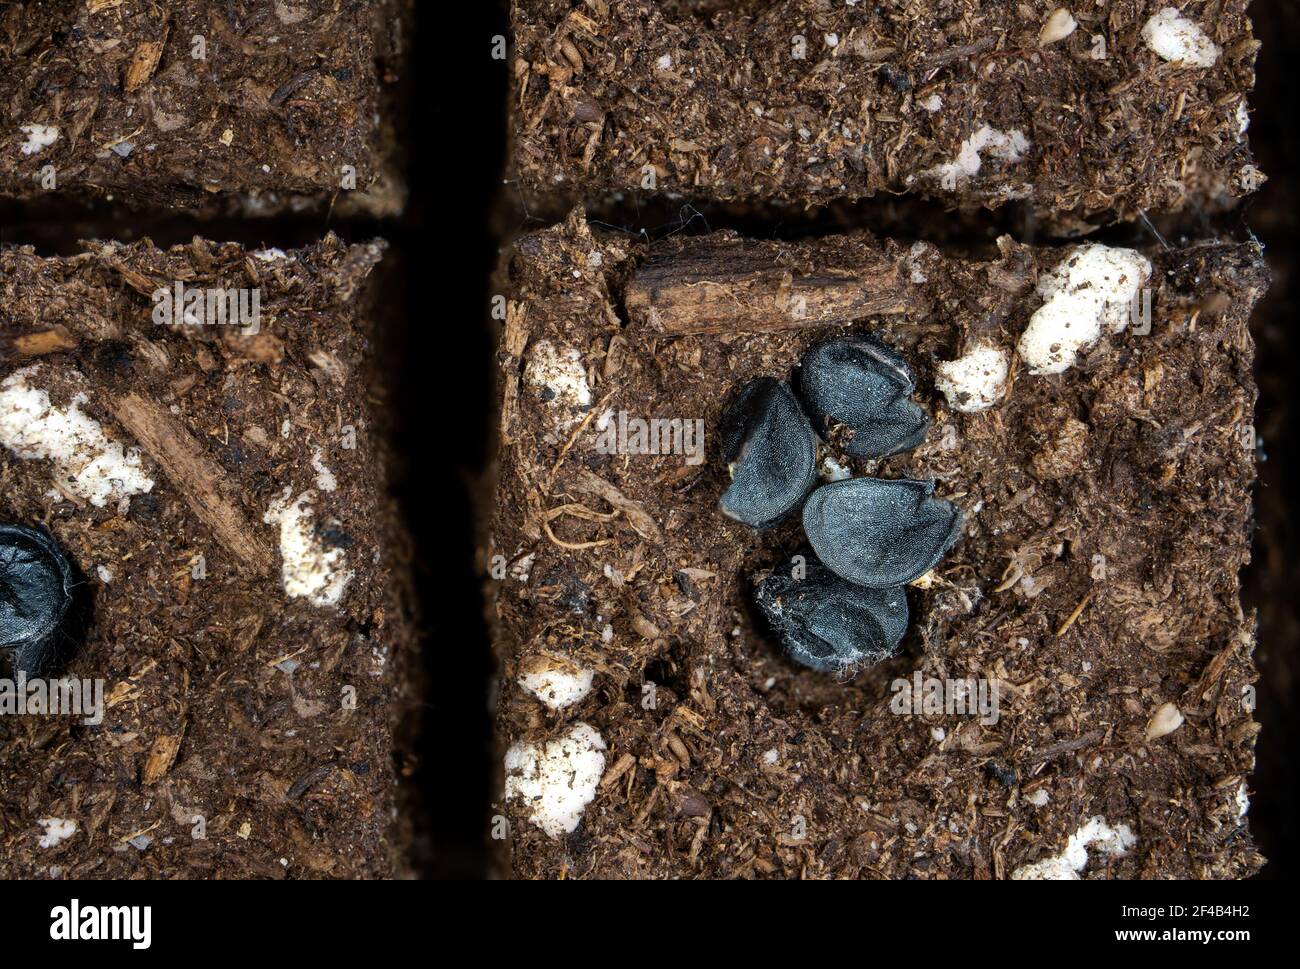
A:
735, 286
43, 342
143, 63
621, 767
1052, 751
161, 757
1078, 611
194, 475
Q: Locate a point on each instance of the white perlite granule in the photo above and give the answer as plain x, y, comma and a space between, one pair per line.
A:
559, 378
1092, 288
39, 137
56, 830
831, 469
557, 681
86, 463
325, 479
1176, 38
557, 779
1009, 146
976, 380
1067, 865
308, 569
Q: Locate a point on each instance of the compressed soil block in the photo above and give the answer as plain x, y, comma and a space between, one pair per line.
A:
219, 492
1084, 113
651, 723
202, 104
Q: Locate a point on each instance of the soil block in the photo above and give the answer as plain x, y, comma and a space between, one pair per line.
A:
220, 491
200, 104
650, 726
1088, 115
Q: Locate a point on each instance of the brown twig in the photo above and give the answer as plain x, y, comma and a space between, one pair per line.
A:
194, 475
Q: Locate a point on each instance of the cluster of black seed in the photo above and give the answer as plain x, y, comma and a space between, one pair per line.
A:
842, 605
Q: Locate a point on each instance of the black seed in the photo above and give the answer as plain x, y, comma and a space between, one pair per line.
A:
828, 624
865, 385
771, 452
880, 533
36, 592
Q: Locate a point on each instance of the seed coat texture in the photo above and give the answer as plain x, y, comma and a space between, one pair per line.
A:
36, 582
880, 533
827, 623
863, 384
770, 449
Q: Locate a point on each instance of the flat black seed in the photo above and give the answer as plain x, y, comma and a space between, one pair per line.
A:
828, 624
770, 450
880, 533
862, 383
36, 583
